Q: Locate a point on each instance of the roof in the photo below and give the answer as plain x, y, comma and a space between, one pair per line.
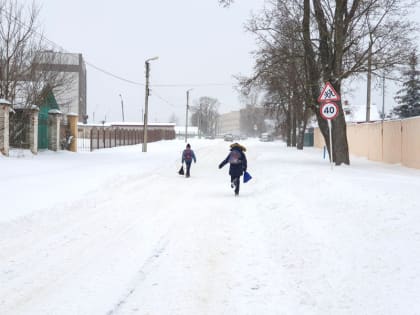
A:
358, 113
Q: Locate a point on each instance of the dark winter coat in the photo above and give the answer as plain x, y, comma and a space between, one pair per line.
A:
188, 156
237, 160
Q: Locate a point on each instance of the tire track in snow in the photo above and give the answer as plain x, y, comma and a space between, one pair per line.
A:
142, 274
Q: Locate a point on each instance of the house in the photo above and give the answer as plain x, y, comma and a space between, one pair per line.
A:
71, 66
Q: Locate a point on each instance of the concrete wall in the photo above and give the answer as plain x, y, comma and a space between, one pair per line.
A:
396, 141
410, 142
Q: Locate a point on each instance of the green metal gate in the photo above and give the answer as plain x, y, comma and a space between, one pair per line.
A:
43, 127
49, 103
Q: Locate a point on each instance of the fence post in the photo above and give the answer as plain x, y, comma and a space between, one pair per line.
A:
54, 116
4, 126
72, 119
91, 139
33, 129
103, 138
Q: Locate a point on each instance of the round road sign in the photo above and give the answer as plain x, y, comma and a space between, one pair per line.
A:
329, 110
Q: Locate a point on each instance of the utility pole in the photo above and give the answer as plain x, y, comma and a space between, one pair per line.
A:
199, 123
383, 96
146, 103
122, 107
369, 82
186, 115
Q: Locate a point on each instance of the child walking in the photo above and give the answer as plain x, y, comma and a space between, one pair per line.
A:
238, 164
188, 156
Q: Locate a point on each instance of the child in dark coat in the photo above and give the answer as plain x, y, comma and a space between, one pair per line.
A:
238, 164
188, 156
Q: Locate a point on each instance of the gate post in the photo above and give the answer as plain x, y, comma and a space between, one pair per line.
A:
54, 116
72, 119
4, 126
33, 129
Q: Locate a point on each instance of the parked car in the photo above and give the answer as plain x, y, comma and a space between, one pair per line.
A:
266, 137
228, 137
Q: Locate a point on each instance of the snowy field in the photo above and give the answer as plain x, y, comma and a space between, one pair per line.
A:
118, 231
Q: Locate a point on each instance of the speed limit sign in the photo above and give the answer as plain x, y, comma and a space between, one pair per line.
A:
329, 110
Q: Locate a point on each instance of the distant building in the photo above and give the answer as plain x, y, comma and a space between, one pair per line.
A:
249, 121
72, 97
229, 123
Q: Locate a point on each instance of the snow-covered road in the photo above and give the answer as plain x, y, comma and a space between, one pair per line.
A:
119, 232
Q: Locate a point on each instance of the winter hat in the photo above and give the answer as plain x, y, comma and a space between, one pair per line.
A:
237, 146
188, 146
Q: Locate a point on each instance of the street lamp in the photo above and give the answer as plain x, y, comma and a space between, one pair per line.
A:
122, 107
146, 101
186, 115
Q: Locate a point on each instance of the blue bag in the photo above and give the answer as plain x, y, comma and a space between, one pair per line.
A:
247, 177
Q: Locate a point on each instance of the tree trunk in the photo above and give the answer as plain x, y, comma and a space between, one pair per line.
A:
331, 63
289, 129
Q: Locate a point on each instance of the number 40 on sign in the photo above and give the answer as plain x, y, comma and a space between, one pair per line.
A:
329, 110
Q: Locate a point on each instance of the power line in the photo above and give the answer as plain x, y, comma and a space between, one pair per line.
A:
192, 85
60, 48
161, 98
114, 75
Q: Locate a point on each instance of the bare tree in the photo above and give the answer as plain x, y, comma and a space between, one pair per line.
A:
340, 38
25, 77
205, 115
24, 54
280, 71
17, 27
252, 115
173, 118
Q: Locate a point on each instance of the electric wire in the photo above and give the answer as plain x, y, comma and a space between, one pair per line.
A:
109, 73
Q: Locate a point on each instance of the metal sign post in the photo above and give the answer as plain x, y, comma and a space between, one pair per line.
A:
331, 147
329, 111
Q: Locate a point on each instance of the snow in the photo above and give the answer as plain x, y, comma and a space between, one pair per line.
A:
118, 231
358, 113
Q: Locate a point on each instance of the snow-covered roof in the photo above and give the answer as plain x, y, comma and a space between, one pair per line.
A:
4, 102
358, 113
136, 123
54, 111
23, 106
126, 124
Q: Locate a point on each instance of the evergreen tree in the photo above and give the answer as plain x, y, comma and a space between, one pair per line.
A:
408, 97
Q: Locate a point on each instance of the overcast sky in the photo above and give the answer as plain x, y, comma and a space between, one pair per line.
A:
200, 45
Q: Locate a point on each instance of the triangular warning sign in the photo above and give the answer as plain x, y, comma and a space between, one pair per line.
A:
328, 94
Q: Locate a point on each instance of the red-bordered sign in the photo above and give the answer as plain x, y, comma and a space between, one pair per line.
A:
328, 94
329, 110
